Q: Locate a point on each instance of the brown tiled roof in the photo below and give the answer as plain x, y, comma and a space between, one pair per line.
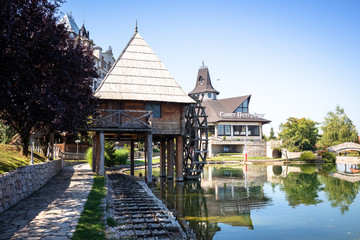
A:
203, 83
228, 105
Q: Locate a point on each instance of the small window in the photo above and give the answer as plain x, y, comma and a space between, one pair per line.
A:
244, 107
209, 95
239, 130
253, 131
155, 108
224, 130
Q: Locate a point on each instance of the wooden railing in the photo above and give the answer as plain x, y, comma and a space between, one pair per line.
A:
121, 119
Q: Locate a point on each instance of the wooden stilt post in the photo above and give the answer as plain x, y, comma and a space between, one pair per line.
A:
93, 152
162, 159
149, 155
170, 158
179, 158
145, 158
97, 153
132, 158
102, 154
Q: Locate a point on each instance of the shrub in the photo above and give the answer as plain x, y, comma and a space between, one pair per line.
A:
89, 155
307, 156
121, 155
329, 157
308, 168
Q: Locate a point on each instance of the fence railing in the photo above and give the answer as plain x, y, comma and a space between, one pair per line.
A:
121, 119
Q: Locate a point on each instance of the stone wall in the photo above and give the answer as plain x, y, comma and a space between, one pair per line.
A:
22, 182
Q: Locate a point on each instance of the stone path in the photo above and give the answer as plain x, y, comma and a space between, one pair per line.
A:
53, 211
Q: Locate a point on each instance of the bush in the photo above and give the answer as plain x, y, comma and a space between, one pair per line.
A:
329, 157
89, 155
307, 156
121, 155
308, 168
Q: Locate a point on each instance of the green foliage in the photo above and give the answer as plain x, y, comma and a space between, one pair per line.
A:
301, 188
224, 138
329, 157
141, 146
307, 156
6, 133
308, 168
89, 155
339, 192
121, 155
90, 225
299, 134
337, 128
272, 134
111, 222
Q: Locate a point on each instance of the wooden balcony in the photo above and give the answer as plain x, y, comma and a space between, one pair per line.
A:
121, 120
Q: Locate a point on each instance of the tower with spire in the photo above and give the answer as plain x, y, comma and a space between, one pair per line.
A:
203, 88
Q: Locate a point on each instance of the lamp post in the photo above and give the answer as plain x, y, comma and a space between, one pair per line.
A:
77, 141
32, 152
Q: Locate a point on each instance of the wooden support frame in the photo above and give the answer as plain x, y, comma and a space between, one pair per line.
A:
132, 158
162, 158
170, 158
149, 156
102, 154
179, 158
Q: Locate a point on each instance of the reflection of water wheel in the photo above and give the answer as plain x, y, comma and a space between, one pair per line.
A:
195, 141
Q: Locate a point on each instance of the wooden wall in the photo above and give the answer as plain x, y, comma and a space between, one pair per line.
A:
170, 123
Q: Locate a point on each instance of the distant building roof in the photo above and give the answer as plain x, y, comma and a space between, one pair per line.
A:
138, 74
70, 23
214, 108
203, 82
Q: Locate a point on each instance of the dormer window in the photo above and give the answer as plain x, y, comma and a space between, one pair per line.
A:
244, 107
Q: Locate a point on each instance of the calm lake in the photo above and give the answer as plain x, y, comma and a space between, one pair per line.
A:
269, 202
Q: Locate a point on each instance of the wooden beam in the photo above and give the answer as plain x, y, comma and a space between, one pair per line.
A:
162, 159
149, 155
93, 152
97, 153
132, 158
179, 158
102, 154
170, 158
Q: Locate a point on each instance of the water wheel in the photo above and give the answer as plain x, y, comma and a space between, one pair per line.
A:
195, 141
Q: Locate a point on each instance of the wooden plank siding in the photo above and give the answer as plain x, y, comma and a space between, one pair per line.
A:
170, 123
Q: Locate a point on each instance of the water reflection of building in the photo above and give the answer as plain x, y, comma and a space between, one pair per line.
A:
224, 196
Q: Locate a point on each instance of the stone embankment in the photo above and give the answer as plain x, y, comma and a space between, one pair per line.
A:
139, 213
22, 182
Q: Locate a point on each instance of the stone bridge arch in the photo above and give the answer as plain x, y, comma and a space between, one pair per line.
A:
348, 146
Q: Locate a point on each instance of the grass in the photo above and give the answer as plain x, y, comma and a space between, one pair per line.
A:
141, 161
90, 224
11, 158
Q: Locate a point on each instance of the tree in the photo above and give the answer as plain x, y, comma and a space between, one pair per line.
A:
337, 128
301, 188
299, 134
272, 133
46, 75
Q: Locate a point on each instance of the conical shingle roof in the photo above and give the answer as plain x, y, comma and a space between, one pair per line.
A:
138, 74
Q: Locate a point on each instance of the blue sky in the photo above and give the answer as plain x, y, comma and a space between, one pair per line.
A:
297, 58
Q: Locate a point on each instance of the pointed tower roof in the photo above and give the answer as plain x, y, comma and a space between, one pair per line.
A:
203, 82
70, 23
138, 74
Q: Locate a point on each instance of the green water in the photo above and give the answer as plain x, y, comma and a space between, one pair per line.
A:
268, 202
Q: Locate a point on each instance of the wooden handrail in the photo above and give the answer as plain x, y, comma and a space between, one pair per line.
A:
122, 119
